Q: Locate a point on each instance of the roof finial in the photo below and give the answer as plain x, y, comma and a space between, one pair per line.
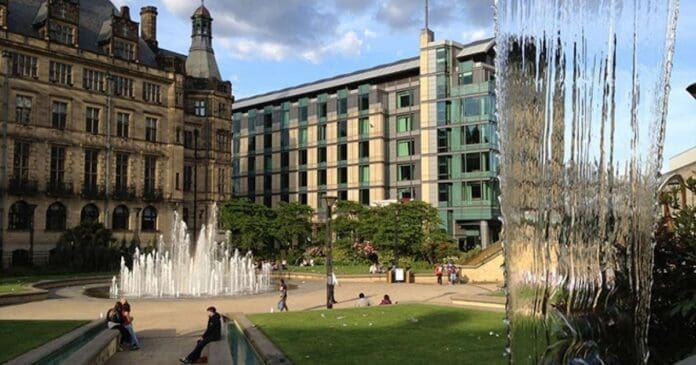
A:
426, 14
202, 2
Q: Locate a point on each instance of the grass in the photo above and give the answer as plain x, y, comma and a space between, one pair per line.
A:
18, 337
18, 284
342, 269
398, 334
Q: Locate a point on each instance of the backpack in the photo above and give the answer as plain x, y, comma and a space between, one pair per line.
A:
114, 316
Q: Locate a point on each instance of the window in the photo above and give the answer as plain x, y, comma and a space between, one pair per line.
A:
59, 114
443, 138
364, 173
321, 155
472, 135
93, 80
472, 106
406, 193
466, 78
268, 120
342, 175
150, 129
441, 86
188, 180
23, 105
342, 128
405, 148
122, 86
89, 213
268, 140
221, 180
285, 160
364, 149
23, 65
284, 139
321, 177
120, 218
405, 172
302, 198
177, 186
322, 132
441, 60
303, 136
302, 179
222, 110
150, 173
92, 120
268, 162
403, 123
475, 162
223, 141
342, 105
152, 93
62, 33
57, 166
321, 109
404, 99
199, 108
251, 187
60, 73
342, 195
20, 216
476, 191
121, 172
302, 113
122, 121
302, 157
236, 145
124, 50
342, 152
149, 219
90, 170
55, 217
443, 192
251, 164
443, 113
267, 184
20, 168
364, 102
252, 144
365, 196
443, 167
364, 126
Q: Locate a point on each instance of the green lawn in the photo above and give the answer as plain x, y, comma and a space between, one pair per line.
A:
418, 268
18, 337
397, 334
16, 284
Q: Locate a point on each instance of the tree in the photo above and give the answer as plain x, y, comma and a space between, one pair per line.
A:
87, 247
349, 216
292, 225
250, 225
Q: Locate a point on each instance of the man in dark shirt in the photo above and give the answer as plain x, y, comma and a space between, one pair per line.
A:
212, 333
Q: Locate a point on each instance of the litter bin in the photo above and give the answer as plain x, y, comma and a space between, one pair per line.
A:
410, 277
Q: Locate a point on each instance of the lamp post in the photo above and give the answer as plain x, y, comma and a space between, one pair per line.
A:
32, 208
3, 172
692, 90
195, 182
330, 200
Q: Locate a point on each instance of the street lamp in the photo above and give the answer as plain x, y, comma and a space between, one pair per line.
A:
692, 90
330, 201
32, 208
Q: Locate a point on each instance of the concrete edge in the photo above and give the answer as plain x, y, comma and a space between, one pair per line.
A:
39, 291
54, 345
219, 352
98, 350
270, 353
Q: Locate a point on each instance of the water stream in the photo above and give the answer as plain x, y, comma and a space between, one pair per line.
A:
582, 93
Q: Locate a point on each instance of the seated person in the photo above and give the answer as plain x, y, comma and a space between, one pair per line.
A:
212, 333
373, 269
385, 300
362, 301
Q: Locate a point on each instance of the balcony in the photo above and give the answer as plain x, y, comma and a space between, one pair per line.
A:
23, 187
59, 189
124, 193
93, 192
151, 195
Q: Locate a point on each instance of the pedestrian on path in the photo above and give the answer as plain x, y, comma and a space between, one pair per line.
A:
212, 333
128, 324
282, 304
438, 273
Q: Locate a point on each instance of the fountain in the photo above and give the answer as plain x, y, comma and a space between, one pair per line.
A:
173, 271
582, 93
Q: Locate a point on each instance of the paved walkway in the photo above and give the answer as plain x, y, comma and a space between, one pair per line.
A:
168, 328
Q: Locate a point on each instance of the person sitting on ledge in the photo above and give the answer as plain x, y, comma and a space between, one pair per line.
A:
386, 300
212, 333
362, 301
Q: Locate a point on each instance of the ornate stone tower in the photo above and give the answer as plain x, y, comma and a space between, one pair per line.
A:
201, 59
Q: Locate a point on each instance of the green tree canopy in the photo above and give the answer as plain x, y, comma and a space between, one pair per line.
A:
292, 225
250, 225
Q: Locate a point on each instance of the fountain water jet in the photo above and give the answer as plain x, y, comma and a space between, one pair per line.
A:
582, 91
172, 271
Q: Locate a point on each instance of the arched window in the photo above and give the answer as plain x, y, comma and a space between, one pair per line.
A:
55, 217
120, 219
90, 213
19, 217
149, 219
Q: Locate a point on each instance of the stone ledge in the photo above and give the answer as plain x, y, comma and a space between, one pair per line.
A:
270, 353
33, 295
219, 352
55, 345
98, 350
39, 291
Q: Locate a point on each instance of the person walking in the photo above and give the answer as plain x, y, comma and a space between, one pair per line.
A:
212, 333
438, 273
128, 324
282, 303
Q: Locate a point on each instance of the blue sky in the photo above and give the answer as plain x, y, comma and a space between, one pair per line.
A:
264, 45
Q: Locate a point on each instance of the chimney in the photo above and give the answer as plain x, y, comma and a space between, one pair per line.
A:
148, 25
125, 12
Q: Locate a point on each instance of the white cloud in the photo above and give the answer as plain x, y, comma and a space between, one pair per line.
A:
475, 35
350, 44
369, 33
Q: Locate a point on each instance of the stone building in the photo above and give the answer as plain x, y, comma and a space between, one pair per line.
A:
103, 124
420, 128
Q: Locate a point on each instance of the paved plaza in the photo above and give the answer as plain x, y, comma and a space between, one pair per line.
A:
168, 328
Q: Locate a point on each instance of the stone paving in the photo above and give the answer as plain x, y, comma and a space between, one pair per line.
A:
168, 328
